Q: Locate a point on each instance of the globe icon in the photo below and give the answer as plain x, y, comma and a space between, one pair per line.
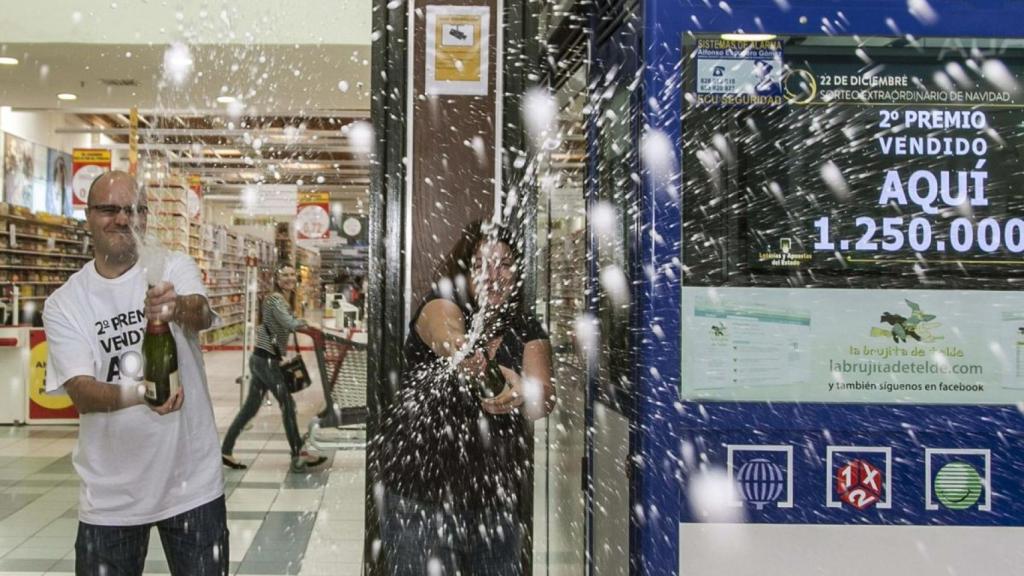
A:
958, 486
761, 482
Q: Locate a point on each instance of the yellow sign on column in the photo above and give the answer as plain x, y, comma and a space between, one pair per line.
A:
133, 142
458, 48
458, 44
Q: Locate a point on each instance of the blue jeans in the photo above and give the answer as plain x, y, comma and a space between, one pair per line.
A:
195, 544
423, 538
266, 377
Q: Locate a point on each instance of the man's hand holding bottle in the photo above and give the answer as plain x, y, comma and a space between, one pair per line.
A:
162, 388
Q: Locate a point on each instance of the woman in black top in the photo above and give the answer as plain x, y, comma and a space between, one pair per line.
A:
453, 459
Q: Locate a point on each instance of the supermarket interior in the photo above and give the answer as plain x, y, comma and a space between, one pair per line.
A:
245, 127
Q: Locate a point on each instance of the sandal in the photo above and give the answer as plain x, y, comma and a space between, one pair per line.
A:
230, 462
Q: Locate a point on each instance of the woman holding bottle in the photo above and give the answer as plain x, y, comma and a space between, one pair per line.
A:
453, 446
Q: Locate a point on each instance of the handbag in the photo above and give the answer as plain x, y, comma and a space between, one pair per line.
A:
296, 376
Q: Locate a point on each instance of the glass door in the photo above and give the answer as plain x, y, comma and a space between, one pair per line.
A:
559, 512
612, 214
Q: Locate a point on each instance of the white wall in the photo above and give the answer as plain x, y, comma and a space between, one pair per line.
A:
40, 128
200, 22
802, 550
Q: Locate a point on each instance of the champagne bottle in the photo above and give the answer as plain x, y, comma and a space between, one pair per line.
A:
492, 382
160, 358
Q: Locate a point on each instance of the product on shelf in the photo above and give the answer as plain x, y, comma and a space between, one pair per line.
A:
223, 256
168, 212
38, 252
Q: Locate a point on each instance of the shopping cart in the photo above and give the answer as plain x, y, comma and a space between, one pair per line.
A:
342, 365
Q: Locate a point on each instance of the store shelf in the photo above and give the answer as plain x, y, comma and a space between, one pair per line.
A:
166, 199
21, 235
35, 263
51, 254
22, 267
36, 221
221, 255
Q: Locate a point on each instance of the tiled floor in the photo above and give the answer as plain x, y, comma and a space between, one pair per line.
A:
280, 523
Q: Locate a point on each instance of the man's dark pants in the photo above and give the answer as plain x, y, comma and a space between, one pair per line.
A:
195, 544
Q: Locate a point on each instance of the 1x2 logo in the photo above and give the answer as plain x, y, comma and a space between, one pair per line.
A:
859, 484
859, 477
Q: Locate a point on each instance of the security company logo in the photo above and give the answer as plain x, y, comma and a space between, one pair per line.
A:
859, 477
762, 474
958, 479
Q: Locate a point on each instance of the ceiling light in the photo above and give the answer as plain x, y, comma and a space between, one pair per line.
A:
8, 61
67, 96
225, 99
749, 37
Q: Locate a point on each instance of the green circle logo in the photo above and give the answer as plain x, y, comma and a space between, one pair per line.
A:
958, 486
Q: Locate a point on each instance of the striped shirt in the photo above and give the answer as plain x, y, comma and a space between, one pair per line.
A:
278, 324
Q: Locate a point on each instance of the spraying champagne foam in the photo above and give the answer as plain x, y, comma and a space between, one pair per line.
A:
153, 258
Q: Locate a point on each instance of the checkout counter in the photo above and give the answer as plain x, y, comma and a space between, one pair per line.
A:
339, 314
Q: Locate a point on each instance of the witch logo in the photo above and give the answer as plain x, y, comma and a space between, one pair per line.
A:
918, 325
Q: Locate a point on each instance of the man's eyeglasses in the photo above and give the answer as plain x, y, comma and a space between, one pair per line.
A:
112, 210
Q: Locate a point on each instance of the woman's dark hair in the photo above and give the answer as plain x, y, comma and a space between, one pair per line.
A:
459, 261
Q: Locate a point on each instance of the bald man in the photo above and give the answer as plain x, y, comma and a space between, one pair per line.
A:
140, 465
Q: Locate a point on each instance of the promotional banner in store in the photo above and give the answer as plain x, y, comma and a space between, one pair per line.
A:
58, 183
24, 173
312, 220
195, 197
354, 230
262, 200
87, 165
43, 406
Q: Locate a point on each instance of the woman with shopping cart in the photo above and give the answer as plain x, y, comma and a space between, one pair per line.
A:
453, 450
276, 324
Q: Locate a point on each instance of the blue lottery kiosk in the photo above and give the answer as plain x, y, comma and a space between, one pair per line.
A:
820, 368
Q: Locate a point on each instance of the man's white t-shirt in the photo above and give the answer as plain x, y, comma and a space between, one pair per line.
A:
136, 466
